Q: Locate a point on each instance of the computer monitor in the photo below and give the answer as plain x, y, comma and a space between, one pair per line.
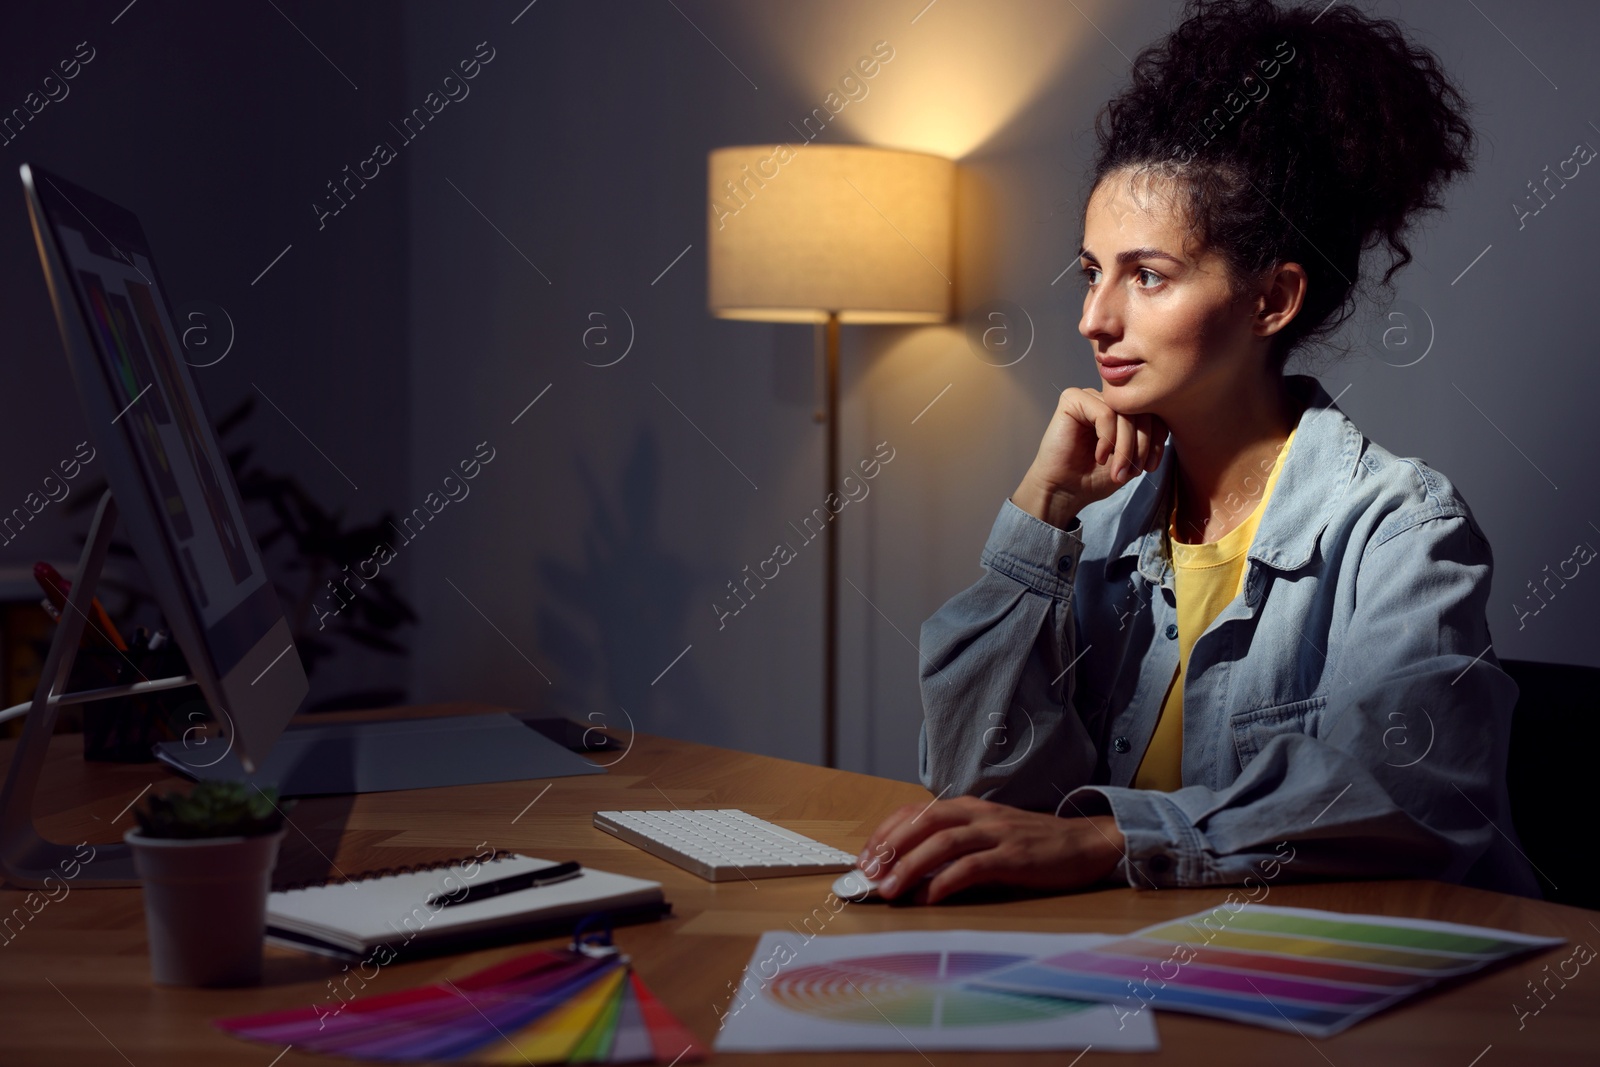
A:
181, 509
173, 490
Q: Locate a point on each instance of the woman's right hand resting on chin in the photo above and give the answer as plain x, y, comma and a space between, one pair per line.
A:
1088, 452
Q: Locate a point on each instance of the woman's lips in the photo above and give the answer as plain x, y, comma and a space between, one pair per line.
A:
1117, 371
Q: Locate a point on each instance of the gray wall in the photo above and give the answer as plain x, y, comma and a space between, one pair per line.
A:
219, 126
589, 552
597, 542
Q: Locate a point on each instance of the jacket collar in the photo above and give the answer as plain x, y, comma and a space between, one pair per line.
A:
1317, 470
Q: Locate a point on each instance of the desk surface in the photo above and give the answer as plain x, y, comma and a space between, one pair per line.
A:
75, 981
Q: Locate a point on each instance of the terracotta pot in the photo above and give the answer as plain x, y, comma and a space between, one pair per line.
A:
205, 905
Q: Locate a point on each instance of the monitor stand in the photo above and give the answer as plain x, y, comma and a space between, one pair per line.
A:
26, 858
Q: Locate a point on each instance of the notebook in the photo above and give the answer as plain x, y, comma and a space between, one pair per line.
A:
385, 913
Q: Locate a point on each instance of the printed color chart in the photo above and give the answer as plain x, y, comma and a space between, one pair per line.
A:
913, 989
904, 990
1315, 972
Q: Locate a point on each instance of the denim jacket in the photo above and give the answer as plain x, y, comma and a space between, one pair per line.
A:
1348, 702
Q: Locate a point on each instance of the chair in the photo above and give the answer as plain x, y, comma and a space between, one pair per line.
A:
1555, 744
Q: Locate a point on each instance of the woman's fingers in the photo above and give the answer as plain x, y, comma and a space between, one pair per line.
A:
965, 842
1105, 430
905, 828
975, 868
1141, 439
1136, 442
1127, 449
943, 845
871, 859
906, 838
1118, 445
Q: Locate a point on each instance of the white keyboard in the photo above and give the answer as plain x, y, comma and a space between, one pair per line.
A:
724, 844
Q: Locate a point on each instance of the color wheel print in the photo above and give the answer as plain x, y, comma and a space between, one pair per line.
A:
920, 989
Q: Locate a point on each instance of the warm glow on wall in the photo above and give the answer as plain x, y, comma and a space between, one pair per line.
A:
957, 75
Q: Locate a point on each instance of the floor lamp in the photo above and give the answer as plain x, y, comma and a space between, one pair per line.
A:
830, 234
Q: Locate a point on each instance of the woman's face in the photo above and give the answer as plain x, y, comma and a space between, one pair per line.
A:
1163, 309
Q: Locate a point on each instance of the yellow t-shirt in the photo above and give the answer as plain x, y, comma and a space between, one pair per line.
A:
1207, 578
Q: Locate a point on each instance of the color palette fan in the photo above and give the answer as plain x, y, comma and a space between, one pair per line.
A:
554, 1006
1313, 972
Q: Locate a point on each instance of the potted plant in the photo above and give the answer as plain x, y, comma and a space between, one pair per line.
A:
205, 859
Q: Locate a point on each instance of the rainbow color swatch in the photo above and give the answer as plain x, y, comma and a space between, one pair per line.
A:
1315, 972
555, 1006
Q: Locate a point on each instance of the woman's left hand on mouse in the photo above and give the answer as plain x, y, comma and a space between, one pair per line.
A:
984, 843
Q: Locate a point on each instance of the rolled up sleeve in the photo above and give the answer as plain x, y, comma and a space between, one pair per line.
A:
997, 698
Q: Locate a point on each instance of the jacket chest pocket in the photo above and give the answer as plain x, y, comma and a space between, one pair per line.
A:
1252, 730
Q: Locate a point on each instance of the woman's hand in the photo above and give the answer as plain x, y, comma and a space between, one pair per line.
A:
988, 844
1088, 452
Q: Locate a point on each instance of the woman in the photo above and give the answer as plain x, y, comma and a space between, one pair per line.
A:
1257, 647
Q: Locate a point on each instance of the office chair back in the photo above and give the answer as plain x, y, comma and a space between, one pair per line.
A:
1551, 775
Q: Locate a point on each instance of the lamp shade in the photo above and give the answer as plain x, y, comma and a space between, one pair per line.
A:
796, 233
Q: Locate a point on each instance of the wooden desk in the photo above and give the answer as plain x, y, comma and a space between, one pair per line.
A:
75, 982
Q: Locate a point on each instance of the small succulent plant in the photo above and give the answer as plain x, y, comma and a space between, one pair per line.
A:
213, 809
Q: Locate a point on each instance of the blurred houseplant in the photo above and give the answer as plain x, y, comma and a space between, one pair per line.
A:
205, 860
320, 547
213, 809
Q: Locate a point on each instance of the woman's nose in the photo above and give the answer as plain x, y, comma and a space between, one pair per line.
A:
1101, 316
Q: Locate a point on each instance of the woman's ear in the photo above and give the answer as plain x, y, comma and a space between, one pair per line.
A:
1281, 299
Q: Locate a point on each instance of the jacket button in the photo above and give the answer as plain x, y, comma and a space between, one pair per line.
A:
1172, 631
1160, 863
1064, 564
1120, 744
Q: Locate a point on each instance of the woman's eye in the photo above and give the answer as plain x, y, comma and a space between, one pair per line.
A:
1089, 276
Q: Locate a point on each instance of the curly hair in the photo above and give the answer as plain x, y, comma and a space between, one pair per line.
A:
1296, 136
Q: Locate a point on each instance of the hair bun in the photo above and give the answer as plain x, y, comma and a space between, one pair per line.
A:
1303, 134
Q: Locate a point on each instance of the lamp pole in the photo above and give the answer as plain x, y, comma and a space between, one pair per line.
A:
830, 610
809, 249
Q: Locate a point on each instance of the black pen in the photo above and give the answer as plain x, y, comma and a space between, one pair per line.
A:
543, 876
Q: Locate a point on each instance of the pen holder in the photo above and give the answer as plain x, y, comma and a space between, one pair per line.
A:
124, 729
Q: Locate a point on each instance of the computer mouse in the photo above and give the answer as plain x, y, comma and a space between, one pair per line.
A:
856, 887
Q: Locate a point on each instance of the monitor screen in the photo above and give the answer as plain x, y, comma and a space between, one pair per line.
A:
166, 431
173, 490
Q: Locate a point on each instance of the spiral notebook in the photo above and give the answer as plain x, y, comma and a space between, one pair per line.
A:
386, 912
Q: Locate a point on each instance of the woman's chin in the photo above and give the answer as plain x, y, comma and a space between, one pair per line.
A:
1125, 399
